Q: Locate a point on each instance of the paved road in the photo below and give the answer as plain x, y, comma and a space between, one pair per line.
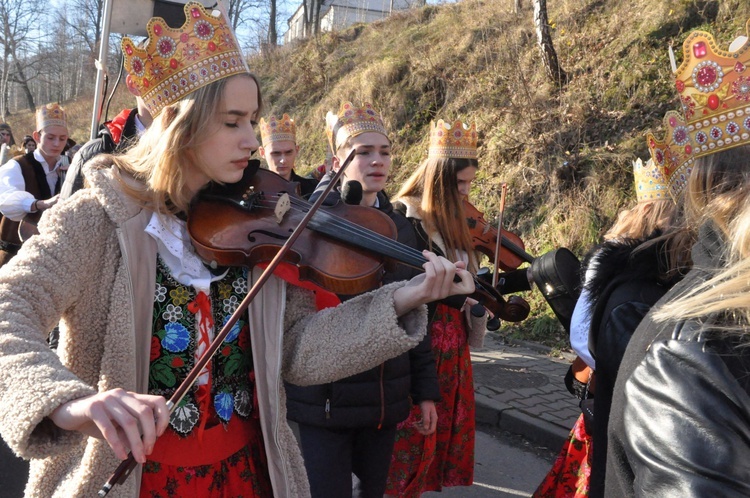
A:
505, 466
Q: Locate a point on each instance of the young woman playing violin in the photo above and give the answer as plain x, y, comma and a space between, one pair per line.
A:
433, 199
115, 263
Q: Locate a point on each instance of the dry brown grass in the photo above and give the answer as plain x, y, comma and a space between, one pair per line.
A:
566, 155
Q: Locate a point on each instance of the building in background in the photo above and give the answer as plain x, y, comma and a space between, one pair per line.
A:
339, 14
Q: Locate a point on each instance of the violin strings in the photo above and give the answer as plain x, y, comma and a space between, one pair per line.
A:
353, 229
348, 227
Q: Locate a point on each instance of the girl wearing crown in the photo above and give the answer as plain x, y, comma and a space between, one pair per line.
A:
624, 277
432, 198
137, 306
681, 405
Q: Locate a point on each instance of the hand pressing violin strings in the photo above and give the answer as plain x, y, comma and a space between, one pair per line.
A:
436, 283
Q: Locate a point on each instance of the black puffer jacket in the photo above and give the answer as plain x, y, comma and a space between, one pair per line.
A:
380, 397
626, 284
680, 423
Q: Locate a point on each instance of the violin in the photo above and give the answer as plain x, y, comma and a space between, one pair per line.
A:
484, 237
343, 249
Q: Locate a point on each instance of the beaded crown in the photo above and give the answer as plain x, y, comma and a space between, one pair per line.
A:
277, 129
650, 184
714, 88
673, 154
176, 62
457, 140
50, 115
352, 121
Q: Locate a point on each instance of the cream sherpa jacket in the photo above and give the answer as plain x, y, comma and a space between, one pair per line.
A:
93, 266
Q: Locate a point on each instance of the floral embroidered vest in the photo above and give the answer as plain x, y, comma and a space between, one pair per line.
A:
174, 343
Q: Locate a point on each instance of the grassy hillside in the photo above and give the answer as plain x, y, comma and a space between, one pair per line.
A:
565, 154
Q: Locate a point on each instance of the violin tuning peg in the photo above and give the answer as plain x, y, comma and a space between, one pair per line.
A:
493, 324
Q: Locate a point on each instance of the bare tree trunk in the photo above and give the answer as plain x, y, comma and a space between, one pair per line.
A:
21, 80
544, 39
316, 17
272, 33
306, 18
5, 84
516, 6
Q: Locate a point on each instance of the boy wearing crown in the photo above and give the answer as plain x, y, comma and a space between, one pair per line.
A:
31, 183
279, 148
349, 426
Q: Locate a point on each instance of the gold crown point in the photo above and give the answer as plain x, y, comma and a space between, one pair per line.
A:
176, 62
714, 89
650, 183
277, 129
453, 140
51, 115
352, 120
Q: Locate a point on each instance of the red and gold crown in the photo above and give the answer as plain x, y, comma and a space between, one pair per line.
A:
714, 88
277, 130
458, 140
673, 154
176, 62
352, 121
650, 184
50, 115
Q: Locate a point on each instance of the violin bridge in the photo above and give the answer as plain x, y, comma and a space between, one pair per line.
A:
282, 207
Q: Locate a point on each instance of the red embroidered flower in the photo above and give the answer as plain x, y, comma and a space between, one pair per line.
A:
226, 350
244, 340
155, 348
177, 362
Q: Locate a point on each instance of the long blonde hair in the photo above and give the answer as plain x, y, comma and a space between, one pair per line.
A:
170, 143
435, 182
718, 192
642, 219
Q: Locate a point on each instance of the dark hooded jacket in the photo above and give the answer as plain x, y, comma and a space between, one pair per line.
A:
626, 284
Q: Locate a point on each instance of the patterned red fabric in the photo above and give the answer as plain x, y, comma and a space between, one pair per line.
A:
569, 476
414, 468
243, 474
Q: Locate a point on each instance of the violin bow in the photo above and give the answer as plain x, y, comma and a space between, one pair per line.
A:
126, 467
498, 243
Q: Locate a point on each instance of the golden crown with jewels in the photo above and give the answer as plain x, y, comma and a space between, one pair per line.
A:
50, 115
673, 154
714, 88
277, 129
352, 121
650, 184
457, 140
176, 62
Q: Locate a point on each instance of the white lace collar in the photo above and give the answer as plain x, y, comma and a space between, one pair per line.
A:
174, 247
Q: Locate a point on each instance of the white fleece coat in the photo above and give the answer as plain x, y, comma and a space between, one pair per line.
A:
93, 266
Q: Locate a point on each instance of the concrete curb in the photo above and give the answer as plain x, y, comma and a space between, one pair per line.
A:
505, 417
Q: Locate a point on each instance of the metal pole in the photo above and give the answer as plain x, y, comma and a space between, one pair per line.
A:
101, 67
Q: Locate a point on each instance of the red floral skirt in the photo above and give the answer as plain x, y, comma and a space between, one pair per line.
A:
569, 476
225, 462
445, 458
